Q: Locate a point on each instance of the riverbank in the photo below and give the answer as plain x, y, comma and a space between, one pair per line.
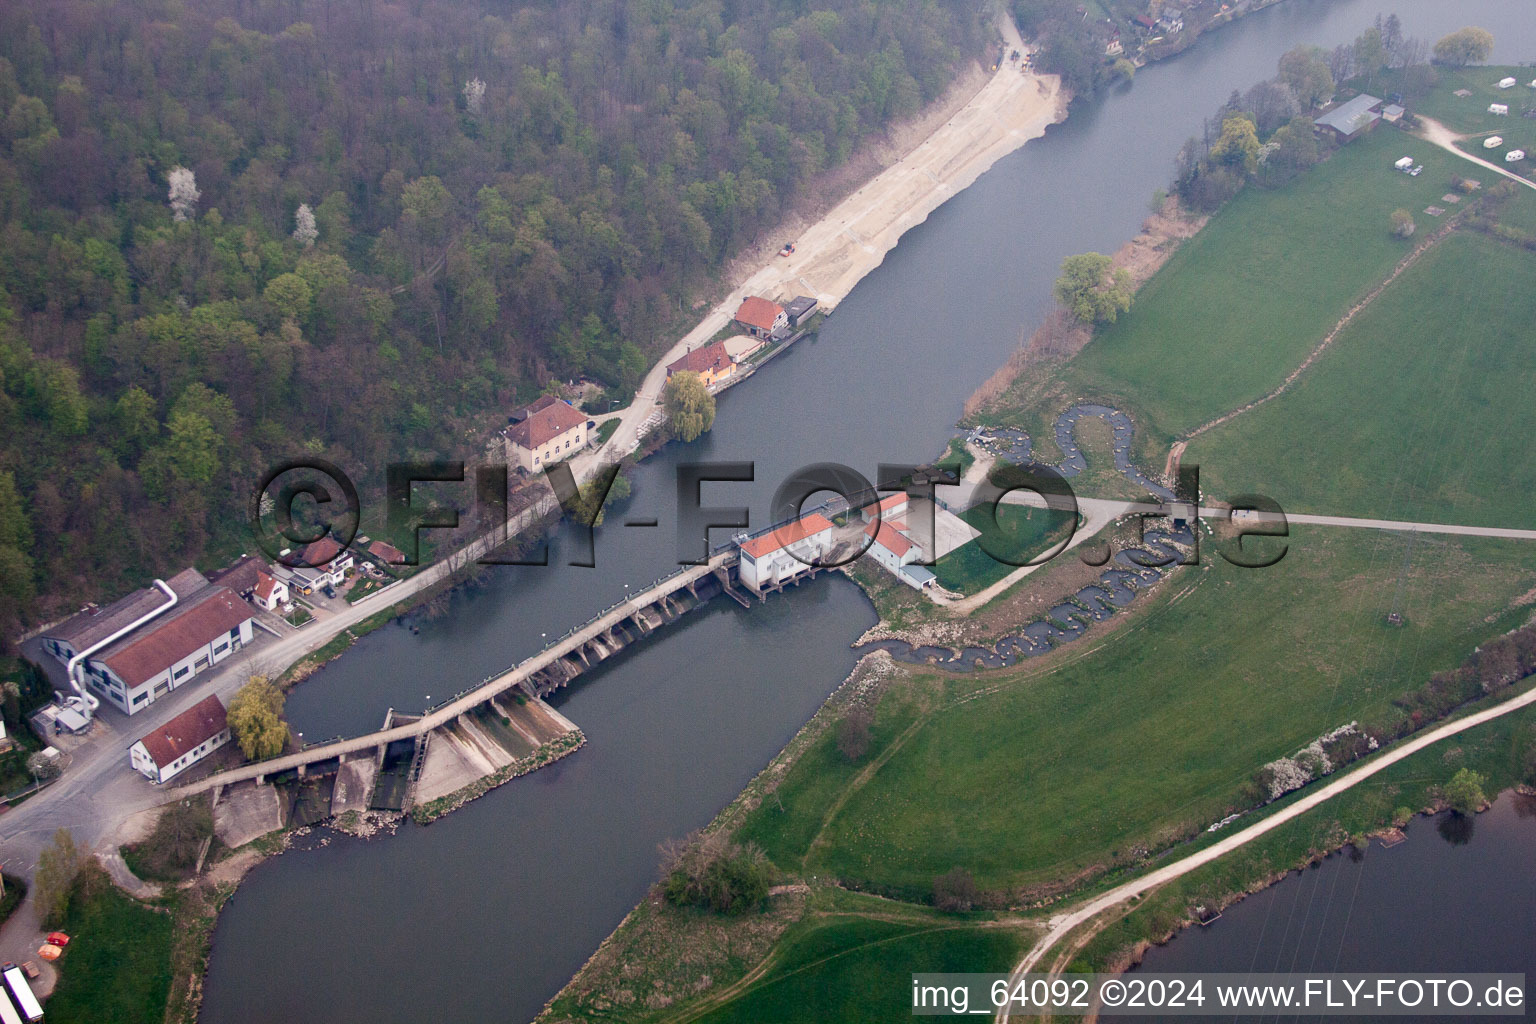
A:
376, 618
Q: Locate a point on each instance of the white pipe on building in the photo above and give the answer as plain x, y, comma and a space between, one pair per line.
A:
90, 701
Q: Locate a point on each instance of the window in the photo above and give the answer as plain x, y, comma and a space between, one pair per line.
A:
140, 698
182, 671
234, 634
221, 647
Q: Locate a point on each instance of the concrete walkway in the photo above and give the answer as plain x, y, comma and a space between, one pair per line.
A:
1061, 924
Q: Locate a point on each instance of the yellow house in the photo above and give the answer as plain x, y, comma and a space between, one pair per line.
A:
712, 363
547, 431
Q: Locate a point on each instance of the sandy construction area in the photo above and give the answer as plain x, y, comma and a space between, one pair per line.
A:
835, 253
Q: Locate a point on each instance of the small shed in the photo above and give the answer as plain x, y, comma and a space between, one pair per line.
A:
1506, 83
1392, 113
1514, 156
1502, 109
1405, 164
1493, 142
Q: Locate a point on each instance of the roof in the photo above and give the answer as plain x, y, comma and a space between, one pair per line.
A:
742, 345
386, 552
784, 536
240, 576
322, 552
543, 421
918, 574
266, 585
887, 537
93, 625
758, 312
146, 653
1393, 110
198, 724
886, 504
712, 358
799, 306
1352, 115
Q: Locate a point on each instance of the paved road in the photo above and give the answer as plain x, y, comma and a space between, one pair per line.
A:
99, 791
1438, 134
1061, 924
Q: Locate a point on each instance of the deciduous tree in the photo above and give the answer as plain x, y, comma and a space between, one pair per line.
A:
1470, 45
1464, 792
1091, 289
57, 867
255, 716
689, 406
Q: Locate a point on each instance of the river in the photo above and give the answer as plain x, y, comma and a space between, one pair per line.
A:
490, 910
1457, 896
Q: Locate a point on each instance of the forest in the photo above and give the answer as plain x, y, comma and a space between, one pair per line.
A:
238, 231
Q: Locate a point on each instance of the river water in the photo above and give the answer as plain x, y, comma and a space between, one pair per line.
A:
489, 911
1457, 896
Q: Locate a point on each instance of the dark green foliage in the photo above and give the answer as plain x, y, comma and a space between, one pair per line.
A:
119, 966
711, 872
151, 369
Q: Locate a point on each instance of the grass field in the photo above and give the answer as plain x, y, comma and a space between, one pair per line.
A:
1495, 750
1025, 532
118, 968
1242, 303
1419, 411
1469, 114
854, 968
1027, 777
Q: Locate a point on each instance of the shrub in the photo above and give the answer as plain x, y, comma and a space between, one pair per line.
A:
955, 891
712, 872
853, 732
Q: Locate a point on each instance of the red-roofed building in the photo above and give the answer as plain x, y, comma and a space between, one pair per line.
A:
761, 317
891, 547
386, 553
324, 563
270, 592
547, 431
168, 652
775, 556
888, 507
711, 362
181, 742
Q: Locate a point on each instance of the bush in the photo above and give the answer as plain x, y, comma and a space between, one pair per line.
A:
169, 852
853, 732
1465, 791
712, 872
955, 891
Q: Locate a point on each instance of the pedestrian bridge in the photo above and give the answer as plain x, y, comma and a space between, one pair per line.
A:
556, 665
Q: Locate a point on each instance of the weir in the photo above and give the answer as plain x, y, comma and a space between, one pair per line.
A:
588, 644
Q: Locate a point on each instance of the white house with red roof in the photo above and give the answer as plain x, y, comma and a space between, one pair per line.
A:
761, 317
547, 431
270, 592
892, 506
182, 742
891, 543
324, 563
772, 558
201, 630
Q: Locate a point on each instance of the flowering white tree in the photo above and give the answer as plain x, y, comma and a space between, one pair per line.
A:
474, 95
184, 194
305, 232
